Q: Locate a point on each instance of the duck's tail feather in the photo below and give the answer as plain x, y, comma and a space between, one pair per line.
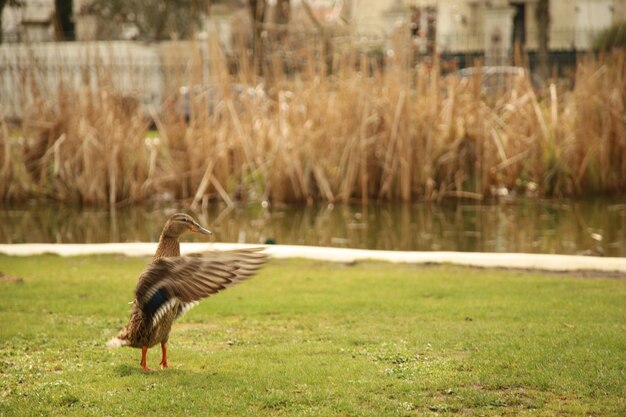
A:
116, 342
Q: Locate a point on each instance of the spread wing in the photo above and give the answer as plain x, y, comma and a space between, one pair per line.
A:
182, 281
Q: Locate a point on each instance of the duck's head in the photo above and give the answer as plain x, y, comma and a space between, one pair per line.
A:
180, 223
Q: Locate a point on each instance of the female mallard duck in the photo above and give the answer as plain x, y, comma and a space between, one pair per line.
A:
172, 284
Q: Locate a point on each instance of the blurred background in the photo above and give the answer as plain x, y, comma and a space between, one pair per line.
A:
464, 125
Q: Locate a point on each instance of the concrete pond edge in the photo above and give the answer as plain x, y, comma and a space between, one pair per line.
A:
547, 262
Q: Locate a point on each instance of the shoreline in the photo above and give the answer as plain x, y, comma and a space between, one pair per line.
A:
532, 261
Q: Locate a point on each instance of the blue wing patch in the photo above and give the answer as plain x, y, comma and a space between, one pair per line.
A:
157, 300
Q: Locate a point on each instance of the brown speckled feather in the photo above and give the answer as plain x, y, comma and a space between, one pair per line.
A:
191, 278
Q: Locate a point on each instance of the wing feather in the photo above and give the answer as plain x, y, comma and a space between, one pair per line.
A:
188, 279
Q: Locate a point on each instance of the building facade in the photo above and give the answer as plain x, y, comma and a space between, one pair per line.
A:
459, 26
475, 25
489, 28
480, 25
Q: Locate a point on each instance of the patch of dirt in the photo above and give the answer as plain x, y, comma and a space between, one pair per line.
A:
573, 274
11, 278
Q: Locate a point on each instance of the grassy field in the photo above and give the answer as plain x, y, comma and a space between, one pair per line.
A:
316, 339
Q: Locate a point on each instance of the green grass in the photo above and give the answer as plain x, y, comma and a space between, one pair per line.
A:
317, 339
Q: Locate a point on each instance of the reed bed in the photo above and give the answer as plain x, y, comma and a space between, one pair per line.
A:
355, 131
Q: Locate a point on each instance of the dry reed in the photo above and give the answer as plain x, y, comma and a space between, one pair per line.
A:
358, 133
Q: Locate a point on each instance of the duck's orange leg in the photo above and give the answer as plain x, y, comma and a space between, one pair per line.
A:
144, 350
164, 355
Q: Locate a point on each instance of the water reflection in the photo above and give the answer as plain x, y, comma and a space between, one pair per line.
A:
523, 226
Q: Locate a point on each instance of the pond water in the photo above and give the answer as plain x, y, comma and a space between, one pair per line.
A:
565, 227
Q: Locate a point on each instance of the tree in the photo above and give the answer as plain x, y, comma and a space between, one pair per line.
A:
274, 32
154, 19
257, 13
612, 37
10, 3
63, 19
281, 19
542, 15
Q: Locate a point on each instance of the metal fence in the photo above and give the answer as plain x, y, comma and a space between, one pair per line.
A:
560, 39
151, 73
148, 73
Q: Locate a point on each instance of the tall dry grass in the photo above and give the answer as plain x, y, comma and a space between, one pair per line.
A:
356, 133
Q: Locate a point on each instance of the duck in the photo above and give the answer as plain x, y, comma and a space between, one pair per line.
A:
173, 284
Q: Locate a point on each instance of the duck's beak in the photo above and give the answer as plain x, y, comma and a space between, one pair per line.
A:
199, 229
